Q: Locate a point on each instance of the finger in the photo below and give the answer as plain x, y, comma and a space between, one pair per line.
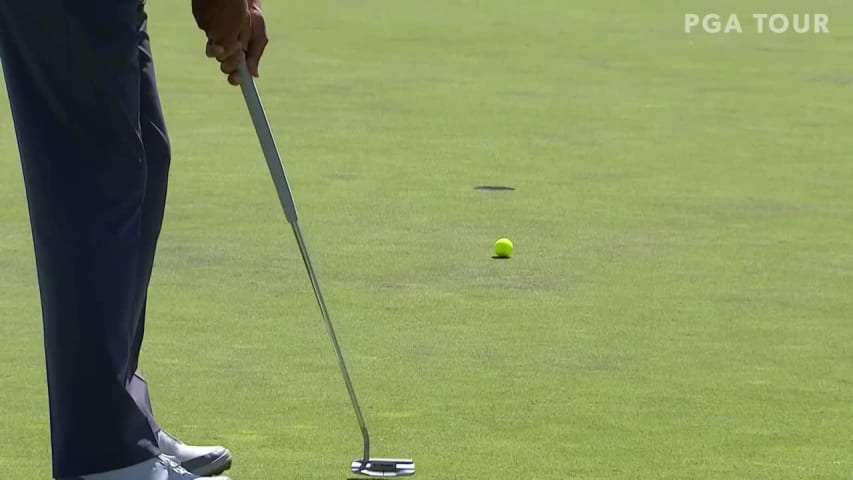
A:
246, 33
229, 51
234, 78
232, 63
214, 51
257, 46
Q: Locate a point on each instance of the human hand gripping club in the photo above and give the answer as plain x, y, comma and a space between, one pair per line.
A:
236, 34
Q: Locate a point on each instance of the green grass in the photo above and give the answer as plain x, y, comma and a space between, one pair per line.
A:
679, 305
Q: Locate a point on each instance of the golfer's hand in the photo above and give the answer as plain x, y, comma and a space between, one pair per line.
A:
252, 42
224, 21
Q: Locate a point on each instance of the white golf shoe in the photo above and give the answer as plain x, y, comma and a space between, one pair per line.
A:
211, 460
158, 468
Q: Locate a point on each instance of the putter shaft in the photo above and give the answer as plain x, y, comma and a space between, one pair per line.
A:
276, 168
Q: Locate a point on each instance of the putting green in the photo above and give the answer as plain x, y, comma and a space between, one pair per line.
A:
678, 304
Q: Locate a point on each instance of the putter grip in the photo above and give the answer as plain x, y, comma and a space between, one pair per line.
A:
262, 128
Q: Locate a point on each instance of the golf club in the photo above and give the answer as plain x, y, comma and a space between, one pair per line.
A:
373, 467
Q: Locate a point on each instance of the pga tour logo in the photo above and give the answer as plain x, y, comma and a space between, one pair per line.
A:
777, 23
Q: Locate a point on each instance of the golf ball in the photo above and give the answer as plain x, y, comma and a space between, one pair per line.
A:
503, 248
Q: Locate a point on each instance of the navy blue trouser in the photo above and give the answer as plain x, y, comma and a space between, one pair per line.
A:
95, 158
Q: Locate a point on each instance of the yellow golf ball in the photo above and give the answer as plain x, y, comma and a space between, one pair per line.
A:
503, 248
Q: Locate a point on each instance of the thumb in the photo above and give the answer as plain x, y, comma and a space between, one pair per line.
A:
246, 33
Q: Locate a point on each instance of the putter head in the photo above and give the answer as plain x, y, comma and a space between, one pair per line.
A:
384, 467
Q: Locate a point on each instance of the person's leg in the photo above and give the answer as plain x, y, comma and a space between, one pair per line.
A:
204, 460
158, 156
74, 85
138, 390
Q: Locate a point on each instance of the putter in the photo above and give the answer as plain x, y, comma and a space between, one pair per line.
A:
372, 467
